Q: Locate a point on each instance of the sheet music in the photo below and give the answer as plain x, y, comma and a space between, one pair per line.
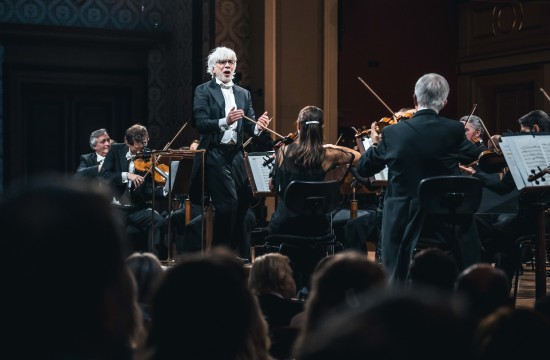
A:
173, 172
258, 172
382, 177
526, 155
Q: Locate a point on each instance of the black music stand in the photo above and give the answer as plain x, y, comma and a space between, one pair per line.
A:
179, 182
258, 166
526, 154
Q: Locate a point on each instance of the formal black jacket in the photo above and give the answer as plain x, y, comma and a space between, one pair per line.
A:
208, 109
425, 145
114, 165
88, 166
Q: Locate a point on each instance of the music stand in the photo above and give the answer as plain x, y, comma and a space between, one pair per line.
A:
258, 166
527, 156
381, 178
179, 182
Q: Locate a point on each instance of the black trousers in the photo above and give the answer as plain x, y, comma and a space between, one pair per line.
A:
227, 184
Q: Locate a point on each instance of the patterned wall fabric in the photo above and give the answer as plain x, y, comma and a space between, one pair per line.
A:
232, 30
101, 14
169, 67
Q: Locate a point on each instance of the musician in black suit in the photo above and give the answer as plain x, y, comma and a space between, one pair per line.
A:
220, 108
425, 145
131, 189
500, 230
90, 164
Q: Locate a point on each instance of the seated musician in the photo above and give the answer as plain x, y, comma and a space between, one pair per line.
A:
306, 158
473, 128
133, 190
499, 231
90, 164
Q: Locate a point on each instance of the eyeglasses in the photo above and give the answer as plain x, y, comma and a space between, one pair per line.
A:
231, 62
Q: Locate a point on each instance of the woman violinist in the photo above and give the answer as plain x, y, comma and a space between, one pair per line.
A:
306, 158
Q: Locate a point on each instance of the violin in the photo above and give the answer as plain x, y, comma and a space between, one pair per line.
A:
385, 121
491, 162
161, 171
145, 165
286, 140
282, 142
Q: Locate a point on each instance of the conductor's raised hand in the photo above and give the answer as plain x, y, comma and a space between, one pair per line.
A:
234, 115
263, 122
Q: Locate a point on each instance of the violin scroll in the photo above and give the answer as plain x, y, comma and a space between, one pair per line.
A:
285, 140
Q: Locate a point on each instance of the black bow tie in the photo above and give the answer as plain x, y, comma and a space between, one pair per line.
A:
226, 86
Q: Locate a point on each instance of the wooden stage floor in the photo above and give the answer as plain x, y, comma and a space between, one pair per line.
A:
526, 288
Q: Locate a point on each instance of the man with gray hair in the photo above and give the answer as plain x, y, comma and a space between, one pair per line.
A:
423, 146
473, 127
90, 164
223, 112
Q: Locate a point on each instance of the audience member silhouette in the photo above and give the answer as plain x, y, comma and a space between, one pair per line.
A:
434, 268
68, 293
203, 309
486, 288
391, 325
339, 280
512, 333
272, 282
148, 272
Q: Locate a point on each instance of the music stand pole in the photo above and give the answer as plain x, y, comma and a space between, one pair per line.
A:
170, 259
152, 233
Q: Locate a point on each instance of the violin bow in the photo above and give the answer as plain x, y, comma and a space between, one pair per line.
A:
545, 94
486, 131
472, 113
376, 96
268, 129
162, 173
250, 138
175, 136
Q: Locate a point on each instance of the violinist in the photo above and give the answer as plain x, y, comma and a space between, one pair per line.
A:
131, 189
474, 131
473, 128
499, 231
423, 146
306, 158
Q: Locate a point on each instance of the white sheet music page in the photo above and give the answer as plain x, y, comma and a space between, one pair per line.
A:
259, 171
382, 177
526, 155
173, 172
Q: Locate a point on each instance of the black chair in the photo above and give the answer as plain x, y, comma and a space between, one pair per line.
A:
313, 202
453, 200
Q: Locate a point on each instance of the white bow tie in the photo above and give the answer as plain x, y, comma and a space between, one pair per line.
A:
229, 85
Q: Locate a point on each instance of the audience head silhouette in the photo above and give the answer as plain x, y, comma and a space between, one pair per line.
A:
65, 271
433, 267
485, 287
271, 274
512, 333
337, 282
203, 309
386, 324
